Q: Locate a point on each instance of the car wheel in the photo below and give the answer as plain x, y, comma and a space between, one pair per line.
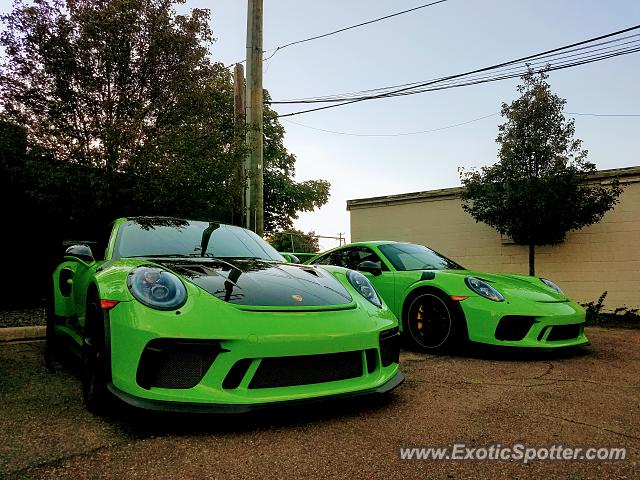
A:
430, 322
95, 394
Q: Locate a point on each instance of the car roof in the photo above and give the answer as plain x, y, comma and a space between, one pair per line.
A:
372, 242
161, 218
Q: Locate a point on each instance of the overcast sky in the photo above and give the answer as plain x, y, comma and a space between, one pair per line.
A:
448, 38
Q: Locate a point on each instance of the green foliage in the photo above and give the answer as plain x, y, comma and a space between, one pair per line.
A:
115, 108
539, 189
621, 316
294, 241
127, 88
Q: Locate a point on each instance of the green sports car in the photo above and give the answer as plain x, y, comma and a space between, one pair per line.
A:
441, 304
205, 317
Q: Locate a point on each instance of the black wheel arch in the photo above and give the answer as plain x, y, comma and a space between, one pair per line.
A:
456, 309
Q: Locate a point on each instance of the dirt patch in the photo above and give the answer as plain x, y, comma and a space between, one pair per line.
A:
584, 397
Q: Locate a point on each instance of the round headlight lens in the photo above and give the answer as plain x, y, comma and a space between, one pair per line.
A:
157, 288
483, 289
550, 284
364, 287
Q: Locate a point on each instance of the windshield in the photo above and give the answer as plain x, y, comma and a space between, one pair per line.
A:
408, 256
153, 237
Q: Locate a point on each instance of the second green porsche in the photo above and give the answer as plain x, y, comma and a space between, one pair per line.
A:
440, 304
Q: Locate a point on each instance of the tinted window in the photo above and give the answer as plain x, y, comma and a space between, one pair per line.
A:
407, 256
154, 237
350, 258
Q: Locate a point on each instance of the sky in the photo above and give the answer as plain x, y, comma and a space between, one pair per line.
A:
452, 37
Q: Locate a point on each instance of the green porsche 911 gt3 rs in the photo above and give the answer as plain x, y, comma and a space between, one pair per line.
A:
441, 304
205, 317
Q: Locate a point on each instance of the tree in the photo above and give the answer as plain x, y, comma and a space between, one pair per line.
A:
114, 108
127, 88
539, 189
295, 241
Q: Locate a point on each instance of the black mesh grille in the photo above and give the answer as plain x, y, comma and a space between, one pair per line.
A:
514, 327
389, 347
564, 332
307, 369
172, 363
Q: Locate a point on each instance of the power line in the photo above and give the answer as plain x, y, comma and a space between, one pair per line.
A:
540, 60
344, 29
549, 53
402, 134
392, 134
446, 82
605, 114
351, 27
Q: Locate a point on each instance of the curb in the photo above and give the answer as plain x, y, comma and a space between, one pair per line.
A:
13, 334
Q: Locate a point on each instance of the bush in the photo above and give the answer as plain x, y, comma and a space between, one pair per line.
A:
621, 316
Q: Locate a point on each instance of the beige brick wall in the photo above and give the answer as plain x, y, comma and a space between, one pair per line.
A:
605, 256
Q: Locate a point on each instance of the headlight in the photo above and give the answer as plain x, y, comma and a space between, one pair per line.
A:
364, 287
549, 283
157, 288
483, 289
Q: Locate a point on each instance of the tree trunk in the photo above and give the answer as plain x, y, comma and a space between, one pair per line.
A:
532, 259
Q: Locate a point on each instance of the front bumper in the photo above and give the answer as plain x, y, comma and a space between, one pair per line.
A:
526, 325
259, 342
194, 407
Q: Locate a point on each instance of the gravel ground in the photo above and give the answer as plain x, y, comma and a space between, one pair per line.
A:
586, 397
24, 317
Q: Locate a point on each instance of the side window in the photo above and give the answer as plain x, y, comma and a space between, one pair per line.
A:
346, 258
324, 260
365, 254
340, 258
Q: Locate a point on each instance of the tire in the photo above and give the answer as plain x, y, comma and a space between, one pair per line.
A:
95, 371
432, 323
53, 343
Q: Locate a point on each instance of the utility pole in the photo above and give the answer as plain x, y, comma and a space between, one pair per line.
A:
254, 195
239, 89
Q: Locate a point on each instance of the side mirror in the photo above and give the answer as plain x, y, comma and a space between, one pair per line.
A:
294, 259
290, 257
370, 267
80, 251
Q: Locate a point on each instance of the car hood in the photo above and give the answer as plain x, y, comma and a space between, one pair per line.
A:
516, 286
261, 283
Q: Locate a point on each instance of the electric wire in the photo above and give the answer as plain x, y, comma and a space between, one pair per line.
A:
588, 54
447, 127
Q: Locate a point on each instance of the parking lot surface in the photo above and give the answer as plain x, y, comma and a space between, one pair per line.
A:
586, 397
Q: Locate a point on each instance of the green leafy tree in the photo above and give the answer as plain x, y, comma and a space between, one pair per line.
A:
127, 88
111, 108
295, 241
539, 189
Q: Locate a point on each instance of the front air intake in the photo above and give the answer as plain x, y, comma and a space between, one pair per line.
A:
175, 363
390, 347
274, 372
514, 327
